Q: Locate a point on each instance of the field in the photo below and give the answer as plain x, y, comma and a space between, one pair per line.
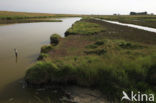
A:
143, 20
7, 17
100, 55
28, 21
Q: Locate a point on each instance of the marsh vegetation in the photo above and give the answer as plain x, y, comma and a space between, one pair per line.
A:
7, 17
84, 28
100, 55
55, 39
27, 38
143, 20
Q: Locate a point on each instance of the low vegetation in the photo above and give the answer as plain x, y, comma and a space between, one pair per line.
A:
143, 20
109, 62
46, 48
128, 45
27, 21
7, 17
42, 56
55, 39
40, 73
110, 78
84, 28
25, 15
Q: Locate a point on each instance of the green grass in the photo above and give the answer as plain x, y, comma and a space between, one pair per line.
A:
97, 51
21, 17
27, 21
42, 56
88, 71
96, 44
143, 20
128, 45
46, 48
108, 64
54, 39
40, 73
7, 17
84, 28
112, 71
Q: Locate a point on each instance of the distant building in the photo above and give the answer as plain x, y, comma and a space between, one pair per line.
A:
116, 14
138, 13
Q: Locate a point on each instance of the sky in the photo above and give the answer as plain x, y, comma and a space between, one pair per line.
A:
79, 6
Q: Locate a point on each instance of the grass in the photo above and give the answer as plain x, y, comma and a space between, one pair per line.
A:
42, 56
24, 17
84, 28
128, 45
27, 21
54, 39
9, 15
143, 20
24, 14
109, 62
122, 32
46, 48
21, 17
97, 51
96, 44
89, 72
40, 73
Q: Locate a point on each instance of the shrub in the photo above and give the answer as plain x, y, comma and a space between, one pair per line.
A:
55, 38
95, 45
42, 56
40, 73
100, 42
92, 46
96, 51
46, 48
128, 45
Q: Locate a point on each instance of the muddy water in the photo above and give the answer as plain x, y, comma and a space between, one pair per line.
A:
27, 38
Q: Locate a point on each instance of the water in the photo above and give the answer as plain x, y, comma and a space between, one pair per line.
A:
27, 38
131, 25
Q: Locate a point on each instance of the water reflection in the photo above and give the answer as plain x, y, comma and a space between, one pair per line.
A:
16, 59
28, 39
16, 54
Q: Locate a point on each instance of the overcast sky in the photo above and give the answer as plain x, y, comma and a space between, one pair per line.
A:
79, 6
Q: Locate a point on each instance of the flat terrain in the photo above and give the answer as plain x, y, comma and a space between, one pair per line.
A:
5, 14
99, 55
7, 17
143, 20
28, 21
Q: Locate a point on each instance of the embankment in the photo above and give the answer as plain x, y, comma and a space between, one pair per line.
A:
99, 55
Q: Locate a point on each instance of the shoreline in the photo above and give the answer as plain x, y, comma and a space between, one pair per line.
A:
8, 17
78, 57
26, 21
142, 20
